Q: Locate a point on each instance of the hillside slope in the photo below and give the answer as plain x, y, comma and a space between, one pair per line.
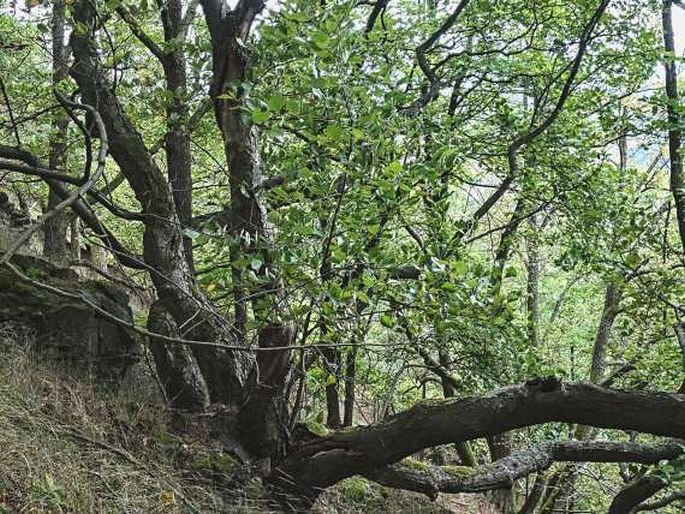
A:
68, 447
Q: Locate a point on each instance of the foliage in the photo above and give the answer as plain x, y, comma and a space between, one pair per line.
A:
385, 144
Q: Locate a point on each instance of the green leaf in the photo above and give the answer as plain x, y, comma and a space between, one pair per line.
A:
276, 102
386, 320
260, 116
256, 263
334, 132
322, 40
394, 167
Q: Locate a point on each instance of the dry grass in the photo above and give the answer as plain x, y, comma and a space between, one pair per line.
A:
67, 447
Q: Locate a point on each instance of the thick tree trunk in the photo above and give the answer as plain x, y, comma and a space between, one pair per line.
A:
55, 229
320, 463
184, 386
225, 372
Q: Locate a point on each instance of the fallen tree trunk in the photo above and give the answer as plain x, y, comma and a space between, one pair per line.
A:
320, 463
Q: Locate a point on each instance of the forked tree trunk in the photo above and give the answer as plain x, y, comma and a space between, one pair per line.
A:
226, 372
263, 419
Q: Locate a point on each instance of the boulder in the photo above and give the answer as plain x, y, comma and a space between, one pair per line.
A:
67, 329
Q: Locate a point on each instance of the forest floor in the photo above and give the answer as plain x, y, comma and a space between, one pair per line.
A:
66, 446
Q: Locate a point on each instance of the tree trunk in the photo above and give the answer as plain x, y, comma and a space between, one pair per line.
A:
177, 139
55, 229
612, 298
314, 465
263, 418
332, 358
177, 369
350, 384
500, 447
533, 284
674, 120
226, 372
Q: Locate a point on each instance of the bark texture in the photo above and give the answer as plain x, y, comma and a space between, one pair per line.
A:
503, 473
55, 229
320, 463
263, 416
674, 120
630, 497
226, 372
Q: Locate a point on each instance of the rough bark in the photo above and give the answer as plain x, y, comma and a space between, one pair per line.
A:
265, 437
612, 299
535, 495
500, 449
177, 139
533, 284
350, 384
179, 374
318, 464
662, 502
630, 497
674, 120
226, 372
333, 364
55, 229
504, 472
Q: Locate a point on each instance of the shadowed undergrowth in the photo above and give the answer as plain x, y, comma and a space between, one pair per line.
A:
66, 446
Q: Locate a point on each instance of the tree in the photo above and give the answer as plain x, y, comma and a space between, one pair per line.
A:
365, 156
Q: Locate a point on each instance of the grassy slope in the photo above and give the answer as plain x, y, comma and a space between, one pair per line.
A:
66, 447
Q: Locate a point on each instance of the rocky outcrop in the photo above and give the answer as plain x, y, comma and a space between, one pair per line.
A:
66, 328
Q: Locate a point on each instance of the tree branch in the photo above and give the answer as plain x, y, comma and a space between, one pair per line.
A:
628, 498
662, 502
323, 462
504, 472
146, 40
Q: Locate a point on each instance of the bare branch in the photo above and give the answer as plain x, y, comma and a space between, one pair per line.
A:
504, 472
135, 27
79, 193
